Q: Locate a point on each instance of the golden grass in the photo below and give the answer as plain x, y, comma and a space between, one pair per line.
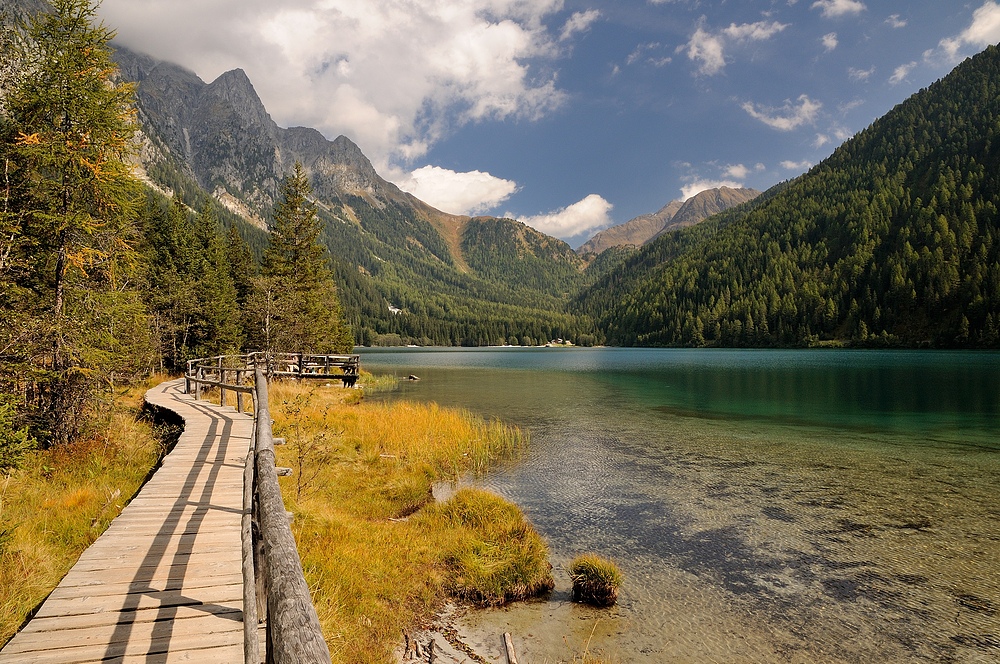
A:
60, 500
596, 580
379, 556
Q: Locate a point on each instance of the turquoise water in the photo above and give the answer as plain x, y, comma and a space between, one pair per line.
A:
765, 505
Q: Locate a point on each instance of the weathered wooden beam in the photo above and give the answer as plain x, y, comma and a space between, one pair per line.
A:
508, 646
293, 626
251, 644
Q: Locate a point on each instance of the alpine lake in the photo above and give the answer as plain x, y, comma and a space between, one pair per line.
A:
763, 505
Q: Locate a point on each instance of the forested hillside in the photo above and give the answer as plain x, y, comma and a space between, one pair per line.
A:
893, 240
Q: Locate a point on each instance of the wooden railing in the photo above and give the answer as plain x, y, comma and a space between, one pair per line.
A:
274, 587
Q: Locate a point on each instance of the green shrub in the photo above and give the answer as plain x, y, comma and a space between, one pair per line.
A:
14, 442
595, 580
503, 558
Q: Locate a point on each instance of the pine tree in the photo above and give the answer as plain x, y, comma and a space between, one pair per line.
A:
296, 303
219, 328
71, 201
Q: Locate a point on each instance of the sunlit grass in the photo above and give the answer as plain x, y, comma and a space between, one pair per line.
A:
60, 500
596, 580
379, 555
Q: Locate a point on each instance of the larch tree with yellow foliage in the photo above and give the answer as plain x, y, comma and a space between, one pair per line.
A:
77, 322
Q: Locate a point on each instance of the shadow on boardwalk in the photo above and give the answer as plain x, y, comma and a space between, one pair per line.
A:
164, 582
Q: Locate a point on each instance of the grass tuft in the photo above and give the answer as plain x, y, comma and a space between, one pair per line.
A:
501, 558
595, 580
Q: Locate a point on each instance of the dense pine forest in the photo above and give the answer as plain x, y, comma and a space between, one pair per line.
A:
103, 280
892, 241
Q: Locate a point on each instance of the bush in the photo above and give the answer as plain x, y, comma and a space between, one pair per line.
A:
14, 442
503, 559
595, 580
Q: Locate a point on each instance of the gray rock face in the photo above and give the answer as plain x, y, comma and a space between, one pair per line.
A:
221, 135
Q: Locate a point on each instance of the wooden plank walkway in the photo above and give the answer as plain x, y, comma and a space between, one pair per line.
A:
164, 582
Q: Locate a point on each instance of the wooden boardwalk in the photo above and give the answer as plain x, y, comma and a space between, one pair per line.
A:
164, 583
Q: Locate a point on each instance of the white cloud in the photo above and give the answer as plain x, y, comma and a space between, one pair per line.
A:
901, 72
860, 74
640, 53
821, 140
394, 75
830, 41
708, 48
698, 185
848, 106
984, 30
838, 8
579, 22
796, 165
590, 214
469, 193
738, 171
788, 117
759, 31
896, 22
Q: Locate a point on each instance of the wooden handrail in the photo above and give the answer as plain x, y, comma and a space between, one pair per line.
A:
274, 586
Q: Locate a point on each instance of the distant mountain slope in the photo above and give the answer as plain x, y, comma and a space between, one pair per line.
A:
894, 239
674, 215
634, 232
704, 204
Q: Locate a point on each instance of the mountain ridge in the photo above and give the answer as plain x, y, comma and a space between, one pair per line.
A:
675, 214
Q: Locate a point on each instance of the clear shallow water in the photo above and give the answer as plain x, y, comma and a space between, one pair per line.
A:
765, 506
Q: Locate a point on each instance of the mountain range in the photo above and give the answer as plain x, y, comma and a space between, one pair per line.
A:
407, 271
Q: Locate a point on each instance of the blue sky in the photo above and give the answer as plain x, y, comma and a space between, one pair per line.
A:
566, 114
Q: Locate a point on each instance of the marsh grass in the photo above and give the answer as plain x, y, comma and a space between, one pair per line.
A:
60, 500
378, 554
596, 580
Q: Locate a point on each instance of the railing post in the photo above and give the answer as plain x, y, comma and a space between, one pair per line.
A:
199, 374
187, 378
222, 381
239, 395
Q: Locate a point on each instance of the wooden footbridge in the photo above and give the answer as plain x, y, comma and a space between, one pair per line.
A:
204, 548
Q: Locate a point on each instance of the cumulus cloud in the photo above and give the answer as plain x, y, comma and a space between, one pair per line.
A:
796, 165
738, 171
839, 8
984, 30
469, 193
590, 214
759, 31
396, 76
896, 22
697, 185
708, 48
901, 72
788, 117
830, 41
579, 22
860, 74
